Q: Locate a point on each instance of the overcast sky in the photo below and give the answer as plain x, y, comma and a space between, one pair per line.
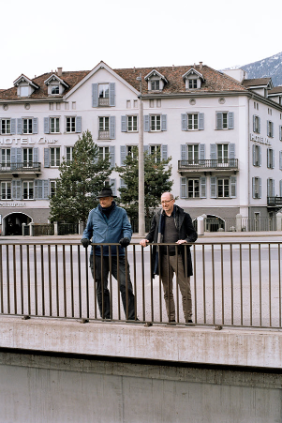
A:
37, 37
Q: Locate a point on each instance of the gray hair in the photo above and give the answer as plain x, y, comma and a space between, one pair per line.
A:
170, 194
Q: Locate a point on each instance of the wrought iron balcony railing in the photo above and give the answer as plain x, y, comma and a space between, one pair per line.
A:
274, 201
207, 164
23, 167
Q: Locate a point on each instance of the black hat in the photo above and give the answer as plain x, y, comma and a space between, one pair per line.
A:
106, 192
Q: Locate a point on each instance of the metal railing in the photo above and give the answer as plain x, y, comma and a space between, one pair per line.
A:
199, 164
23, 167
274, 201
236, 284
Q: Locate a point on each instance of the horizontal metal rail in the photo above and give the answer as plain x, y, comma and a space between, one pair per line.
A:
234, 284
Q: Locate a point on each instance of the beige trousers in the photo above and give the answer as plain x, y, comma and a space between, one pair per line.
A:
170, 265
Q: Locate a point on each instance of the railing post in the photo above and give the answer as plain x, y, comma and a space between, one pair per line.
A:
279, 221
23, 229
80, 227
55, 228
200, 225
31, 228
238, 223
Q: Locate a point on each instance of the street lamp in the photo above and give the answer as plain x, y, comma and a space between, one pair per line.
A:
141, 217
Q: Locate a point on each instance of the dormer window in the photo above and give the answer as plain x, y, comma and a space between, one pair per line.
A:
24, 91
56, 86
55, 89
25, 87
155, 85
193, 79
156, 81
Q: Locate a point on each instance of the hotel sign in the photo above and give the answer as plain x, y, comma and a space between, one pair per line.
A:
259, 139
26, 141
3, 204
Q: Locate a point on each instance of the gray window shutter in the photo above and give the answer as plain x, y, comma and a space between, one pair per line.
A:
218, 120
19, 126
201, 121
183, 188
273, 188
280, 133
184, 152
146, 149
259, 187
112, 94
268, 187
17, 189
233, 187
164, 122
123, 124
78, 124
213, 155
259, 125
184, 122
164, 152
122, 154
46, 157
146, 123
46, 125
13, 158
280, 160
254, 123
19, 155
268, 128
254, 155
112, 127
112, 156
259, 149
113, 186
203, 187
45, 189
35, 125
213, 187
35, 154
94, 95
280, 188
273, 159
254, 187
202, 153
230, 120
38, 190
13, 126
231, 152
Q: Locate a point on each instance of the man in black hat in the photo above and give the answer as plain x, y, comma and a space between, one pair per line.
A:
107, 224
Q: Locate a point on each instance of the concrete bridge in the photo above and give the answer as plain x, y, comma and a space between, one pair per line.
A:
61, 370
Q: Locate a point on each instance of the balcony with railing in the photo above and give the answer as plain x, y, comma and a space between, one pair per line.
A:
23, 168
104, 101
207, 165
274, 202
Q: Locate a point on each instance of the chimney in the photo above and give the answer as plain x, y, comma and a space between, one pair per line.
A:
60, 71
134, 69
201, 65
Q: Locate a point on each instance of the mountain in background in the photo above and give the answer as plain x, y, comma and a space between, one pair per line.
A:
271, 66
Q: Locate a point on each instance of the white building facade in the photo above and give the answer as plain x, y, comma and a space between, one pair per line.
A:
222, 132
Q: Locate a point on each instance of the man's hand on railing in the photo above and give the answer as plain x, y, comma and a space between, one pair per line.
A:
124, 242
144, 242
85, 242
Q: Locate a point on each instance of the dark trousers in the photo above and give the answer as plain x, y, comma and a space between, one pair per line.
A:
101, 278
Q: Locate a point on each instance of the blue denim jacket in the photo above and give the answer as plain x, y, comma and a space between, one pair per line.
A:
107, 230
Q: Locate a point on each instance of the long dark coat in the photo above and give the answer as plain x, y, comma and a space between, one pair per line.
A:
186, 230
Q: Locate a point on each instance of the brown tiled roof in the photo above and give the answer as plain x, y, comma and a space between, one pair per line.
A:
71, 78
213, 80
256, 82
275, 90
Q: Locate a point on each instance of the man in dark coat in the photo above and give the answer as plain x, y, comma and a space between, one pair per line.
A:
173, 225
